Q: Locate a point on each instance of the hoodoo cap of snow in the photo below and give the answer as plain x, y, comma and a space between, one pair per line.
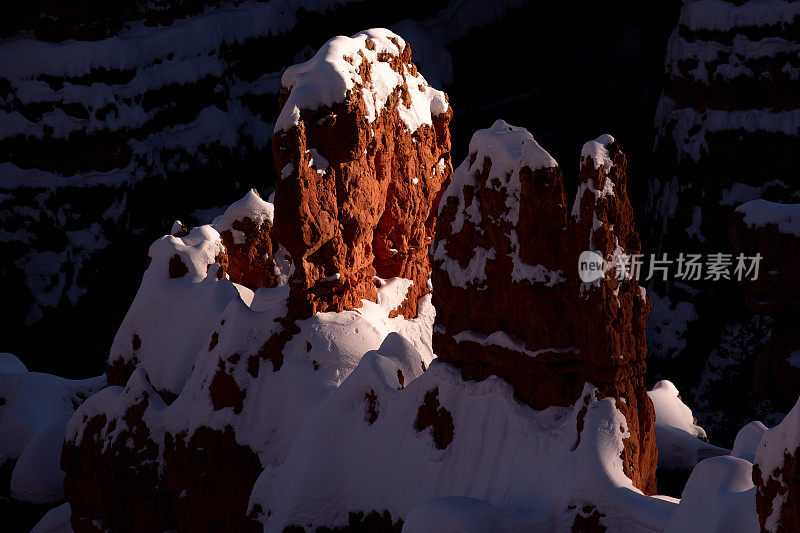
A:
250, 206
597, 151
337, 68
509, 148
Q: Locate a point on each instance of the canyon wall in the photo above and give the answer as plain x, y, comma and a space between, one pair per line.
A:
727, 134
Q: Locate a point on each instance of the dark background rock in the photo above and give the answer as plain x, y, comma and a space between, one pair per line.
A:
703, 168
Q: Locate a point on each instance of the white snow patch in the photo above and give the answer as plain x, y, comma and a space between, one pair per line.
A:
596, 151
504, 340
667, 325
677, 435
760, 213
725, 16
325, 79
471, 275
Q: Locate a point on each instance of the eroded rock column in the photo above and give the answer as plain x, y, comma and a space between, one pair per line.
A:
509, 299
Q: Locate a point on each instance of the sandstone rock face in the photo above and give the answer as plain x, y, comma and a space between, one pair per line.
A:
224, 352
245, 233
776, 474
506, 269
727, 135
359, 178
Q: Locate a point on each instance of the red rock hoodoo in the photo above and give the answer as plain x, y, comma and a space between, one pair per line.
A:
359, 177
506, 270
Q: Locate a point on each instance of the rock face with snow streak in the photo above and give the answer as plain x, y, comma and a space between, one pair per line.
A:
229, 344
727, 134
776, 474
506, 269
363, 147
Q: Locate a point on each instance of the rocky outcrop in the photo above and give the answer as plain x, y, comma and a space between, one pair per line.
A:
245, 233
506, 268
776, 474
224, 352
361, 165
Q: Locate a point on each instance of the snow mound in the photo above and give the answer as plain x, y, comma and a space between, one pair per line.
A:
366, 448
339, 67
251, 206
114, 402
595, 151
509, 148
681, 442
33, 402
55, 521
745, 446
776, 445
37, 476
34, 410
465, 515
172, 318
719, 498
10, 364
223, 331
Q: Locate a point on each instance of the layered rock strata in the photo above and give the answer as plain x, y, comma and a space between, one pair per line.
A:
727, 134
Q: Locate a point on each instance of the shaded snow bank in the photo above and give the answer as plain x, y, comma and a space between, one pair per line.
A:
33, 414
681, 442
